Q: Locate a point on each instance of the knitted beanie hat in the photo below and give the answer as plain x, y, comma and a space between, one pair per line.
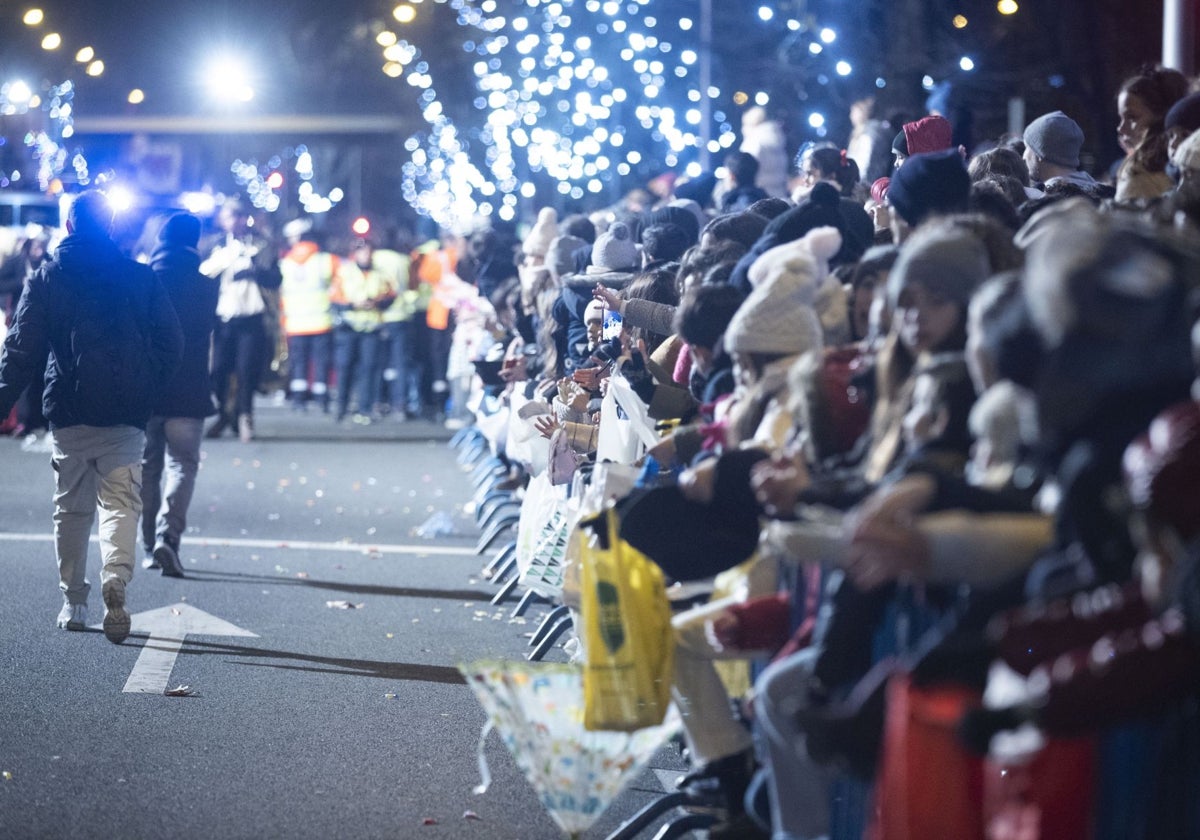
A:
928, 134
778, 316
879, 189
560, 255
774, 320
819, 209
948, 261
807, 257
1056, 138
930, 183
182, 229
537, 243
614, 250
1184, 114
1187, 154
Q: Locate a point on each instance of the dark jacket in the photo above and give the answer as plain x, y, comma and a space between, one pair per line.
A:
89, 283
194, 296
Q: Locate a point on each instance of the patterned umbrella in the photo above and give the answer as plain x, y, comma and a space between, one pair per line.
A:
538, 711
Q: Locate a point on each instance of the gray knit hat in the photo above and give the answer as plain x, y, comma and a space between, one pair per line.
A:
1056, 138
777, 318
614, 250
947, 261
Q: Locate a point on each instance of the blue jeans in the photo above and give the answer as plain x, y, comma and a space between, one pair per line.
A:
403, 365
355, 353
96, 467
307, 352
173, 443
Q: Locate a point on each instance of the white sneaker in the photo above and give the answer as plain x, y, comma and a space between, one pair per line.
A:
73, 616
116, 619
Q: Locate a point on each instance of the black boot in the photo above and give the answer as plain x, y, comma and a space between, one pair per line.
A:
218, 427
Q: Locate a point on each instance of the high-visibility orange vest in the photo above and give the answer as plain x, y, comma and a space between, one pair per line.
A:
430, 263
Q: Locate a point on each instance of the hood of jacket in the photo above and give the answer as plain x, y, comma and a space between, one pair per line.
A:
175, 258
83, 253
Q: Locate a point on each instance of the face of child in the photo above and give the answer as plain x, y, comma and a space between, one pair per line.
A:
924, 319
1136, 118
923, 418
595, 329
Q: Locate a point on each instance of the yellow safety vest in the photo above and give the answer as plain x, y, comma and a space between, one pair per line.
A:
304, 295
396, 266
353, 286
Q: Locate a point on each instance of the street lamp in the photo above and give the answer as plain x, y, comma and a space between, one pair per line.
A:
227, 80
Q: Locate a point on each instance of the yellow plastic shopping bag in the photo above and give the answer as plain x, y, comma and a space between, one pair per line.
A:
627, 638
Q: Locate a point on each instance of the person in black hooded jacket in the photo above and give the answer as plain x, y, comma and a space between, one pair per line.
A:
174, 431
105, 332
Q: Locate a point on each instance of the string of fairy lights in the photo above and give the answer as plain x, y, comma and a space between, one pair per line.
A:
576, 94
571, 97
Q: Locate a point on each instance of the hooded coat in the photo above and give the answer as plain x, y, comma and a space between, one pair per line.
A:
89, 283
188, 393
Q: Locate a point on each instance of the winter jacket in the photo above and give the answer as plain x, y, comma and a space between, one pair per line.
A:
189, 391
89, 283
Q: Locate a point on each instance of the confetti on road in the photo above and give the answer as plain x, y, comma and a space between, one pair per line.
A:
429, 821
344, 605
471, 815
180, 691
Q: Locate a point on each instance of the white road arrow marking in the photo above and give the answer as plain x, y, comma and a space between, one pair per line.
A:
167, 628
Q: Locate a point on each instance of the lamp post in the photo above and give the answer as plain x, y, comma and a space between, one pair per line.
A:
706, 23
1179, 25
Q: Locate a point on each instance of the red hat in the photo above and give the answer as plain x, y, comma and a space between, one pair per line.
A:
879, 190
1162, 469
928, 134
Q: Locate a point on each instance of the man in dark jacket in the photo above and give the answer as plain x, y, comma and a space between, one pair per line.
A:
175, 429
104, 331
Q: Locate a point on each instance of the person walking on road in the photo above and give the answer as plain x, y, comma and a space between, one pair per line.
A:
174, 431
104, 330
245, 263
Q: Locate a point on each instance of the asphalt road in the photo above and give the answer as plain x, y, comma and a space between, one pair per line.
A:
326, 722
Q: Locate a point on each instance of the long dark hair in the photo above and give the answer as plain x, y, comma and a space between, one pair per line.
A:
1158, 88
833, 162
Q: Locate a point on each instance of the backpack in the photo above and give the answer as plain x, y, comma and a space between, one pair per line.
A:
113, 379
